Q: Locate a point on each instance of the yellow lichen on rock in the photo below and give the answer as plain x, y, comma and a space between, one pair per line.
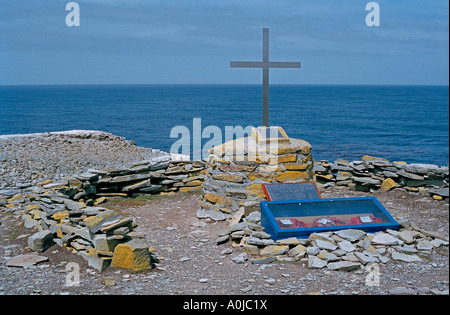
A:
291, 176
61, 215
134, 255
213, 198
256, 190
388, 184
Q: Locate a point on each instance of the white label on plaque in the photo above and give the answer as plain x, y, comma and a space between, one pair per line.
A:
324, 221
286, 222
365, 219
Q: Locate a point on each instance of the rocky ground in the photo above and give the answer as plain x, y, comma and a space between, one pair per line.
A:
190, 260
192, 263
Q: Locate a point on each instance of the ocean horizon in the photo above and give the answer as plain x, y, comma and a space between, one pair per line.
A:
396, 122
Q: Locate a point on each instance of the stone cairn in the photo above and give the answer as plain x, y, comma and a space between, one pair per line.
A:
69, 212
237, 169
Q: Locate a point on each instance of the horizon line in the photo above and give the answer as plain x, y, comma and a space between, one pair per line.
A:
223, 84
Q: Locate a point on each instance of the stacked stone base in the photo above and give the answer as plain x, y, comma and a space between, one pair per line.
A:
237, 169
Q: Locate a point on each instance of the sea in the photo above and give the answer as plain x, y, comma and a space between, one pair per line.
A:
407, 123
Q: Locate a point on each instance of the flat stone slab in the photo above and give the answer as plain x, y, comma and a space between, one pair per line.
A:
406, 258
316, 263
325, 245
443, 192
385, 239
351, 235
24, 261
344, 266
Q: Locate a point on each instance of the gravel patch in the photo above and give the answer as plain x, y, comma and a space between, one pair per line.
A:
26, 160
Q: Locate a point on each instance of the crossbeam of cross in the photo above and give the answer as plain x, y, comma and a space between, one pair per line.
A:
265, 64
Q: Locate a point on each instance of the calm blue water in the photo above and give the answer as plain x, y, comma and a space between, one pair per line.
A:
395, 122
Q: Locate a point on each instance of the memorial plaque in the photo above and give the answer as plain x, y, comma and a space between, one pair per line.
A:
291, 191
300, 218
268, 134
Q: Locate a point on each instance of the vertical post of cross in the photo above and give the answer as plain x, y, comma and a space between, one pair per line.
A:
266, 77
266, 64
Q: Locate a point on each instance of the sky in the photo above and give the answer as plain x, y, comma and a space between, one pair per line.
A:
193, 42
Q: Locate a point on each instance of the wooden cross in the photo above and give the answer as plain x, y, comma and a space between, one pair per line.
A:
265, 65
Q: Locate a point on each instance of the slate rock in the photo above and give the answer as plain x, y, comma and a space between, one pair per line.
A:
312, 250
407, 236
25, 260
367, 181
133, 255
402, 291
347, 246
316, 263
344, 266
443, 192
274, 250
424, 244
406, 258
238, 227
351, 235
254, 217
297, 250
240, 258
366, 259
289, 241
408, 175
222, 239
325, 245
94, 260
41, 241
96, 223
385, 239
260, 242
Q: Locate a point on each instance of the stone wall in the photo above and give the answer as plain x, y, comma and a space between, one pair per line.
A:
69, 212
96, 186
372, 173
237, 169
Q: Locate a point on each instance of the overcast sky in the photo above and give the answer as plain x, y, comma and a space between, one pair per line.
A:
193, 42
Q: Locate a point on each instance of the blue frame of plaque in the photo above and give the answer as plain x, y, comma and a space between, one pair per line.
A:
367, 209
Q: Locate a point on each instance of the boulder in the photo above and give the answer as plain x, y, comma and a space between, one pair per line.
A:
133, 255
41, 241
